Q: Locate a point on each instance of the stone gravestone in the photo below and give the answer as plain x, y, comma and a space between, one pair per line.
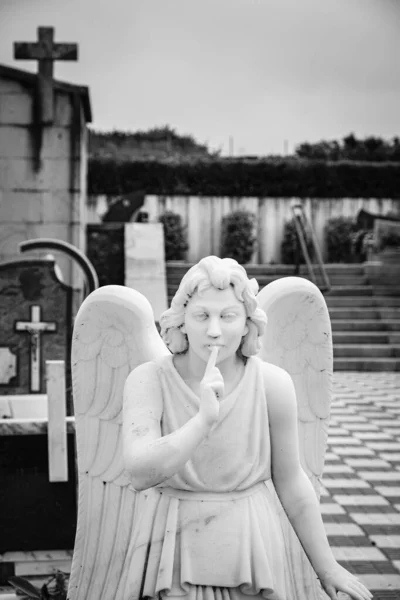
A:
37, 514
35, 324
145, 263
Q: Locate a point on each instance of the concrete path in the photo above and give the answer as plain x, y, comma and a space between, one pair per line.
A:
360, 499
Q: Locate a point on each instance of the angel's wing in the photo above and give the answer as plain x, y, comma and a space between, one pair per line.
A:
299, 339
114, 332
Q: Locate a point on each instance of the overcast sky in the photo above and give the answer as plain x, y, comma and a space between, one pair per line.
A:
258, 71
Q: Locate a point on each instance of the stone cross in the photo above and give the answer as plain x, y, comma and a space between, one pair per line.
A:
35, 327
46, 52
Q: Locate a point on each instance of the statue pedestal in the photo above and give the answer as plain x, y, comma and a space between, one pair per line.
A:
145, 263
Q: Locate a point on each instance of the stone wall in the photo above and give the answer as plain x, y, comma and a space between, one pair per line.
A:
48, 202
202, 216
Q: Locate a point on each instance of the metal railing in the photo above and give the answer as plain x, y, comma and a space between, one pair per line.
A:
305, 231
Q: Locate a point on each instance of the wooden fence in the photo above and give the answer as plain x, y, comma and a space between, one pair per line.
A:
202, 216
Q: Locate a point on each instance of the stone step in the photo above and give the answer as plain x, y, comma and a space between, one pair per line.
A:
365, 337
362, 301
373, 313
393, 290
366, 350
351, 290
365, 325
366, 364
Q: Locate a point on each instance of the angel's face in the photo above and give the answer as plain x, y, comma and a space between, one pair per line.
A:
216, 317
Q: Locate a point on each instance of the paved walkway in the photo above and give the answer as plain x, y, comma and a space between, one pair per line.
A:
360, 500
361, 497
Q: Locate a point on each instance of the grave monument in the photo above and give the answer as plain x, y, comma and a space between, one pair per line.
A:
43, 152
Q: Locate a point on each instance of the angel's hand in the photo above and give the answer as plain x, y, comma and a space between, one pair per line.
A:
211, 390
339, 579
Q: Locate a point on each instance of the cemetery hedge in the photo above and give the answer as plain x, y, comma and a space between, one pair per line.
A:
238, 177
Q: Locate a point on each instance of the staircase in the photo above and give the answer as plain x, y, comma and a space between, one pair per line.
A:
365, 319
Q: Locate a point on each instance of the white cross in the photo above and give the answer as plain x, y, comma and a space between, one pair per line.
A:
35, 327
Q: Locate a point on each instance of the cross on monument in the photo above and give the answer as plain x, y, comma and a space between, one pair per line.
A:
35, 327
46, 52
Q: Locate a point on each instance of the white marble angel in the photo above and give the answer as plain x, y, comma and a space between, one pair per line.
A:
200, 452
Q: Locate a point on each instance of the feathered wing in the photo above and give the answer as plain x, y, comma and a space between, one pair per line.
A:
114, 332
299, 339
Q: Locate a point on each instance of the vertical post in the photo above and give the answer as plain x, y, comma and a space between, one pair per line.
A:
57, 424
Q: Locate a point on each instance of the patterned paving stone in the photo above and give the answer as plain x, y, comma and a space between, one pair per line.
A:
331, 509
386, 541
372, 435
344, 441
376, 518
380, 475
332, 468
372, 500
352, 553
343, 530
388, 491
360, 427
393, 456
366, 462
364, 436
360, 451
331, 456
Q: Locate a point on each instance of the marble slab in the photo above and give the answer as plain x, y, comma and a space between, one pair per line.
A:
30, 426
145, 263
24, 406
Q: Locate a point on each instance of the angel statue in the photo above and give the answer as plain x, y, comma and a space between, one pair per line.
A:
200, 451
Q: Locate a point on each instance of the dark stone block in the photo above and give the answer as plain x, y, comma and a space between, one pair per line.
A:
34, 513
7, 570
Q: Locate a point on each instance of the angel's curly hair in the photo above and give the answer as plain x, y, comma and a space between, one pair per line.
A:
218, 273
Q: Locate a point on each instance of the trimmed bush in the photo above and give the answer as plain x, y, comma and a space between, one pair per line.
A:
293, 178
175, 244
106, 251
237, 236
342, 242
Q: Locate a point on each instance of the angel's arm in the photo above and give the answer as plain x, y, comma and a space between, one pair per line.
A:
150, 458
292, 485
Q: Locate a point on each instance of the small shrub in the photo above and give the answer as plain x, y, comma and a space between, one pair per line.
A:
291, 251
175, 243
237, 236
105, 250
339, 240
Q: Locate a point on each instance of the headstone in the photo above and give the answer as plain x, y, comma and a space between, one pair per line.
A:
145, 263
35, 514
35, 324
